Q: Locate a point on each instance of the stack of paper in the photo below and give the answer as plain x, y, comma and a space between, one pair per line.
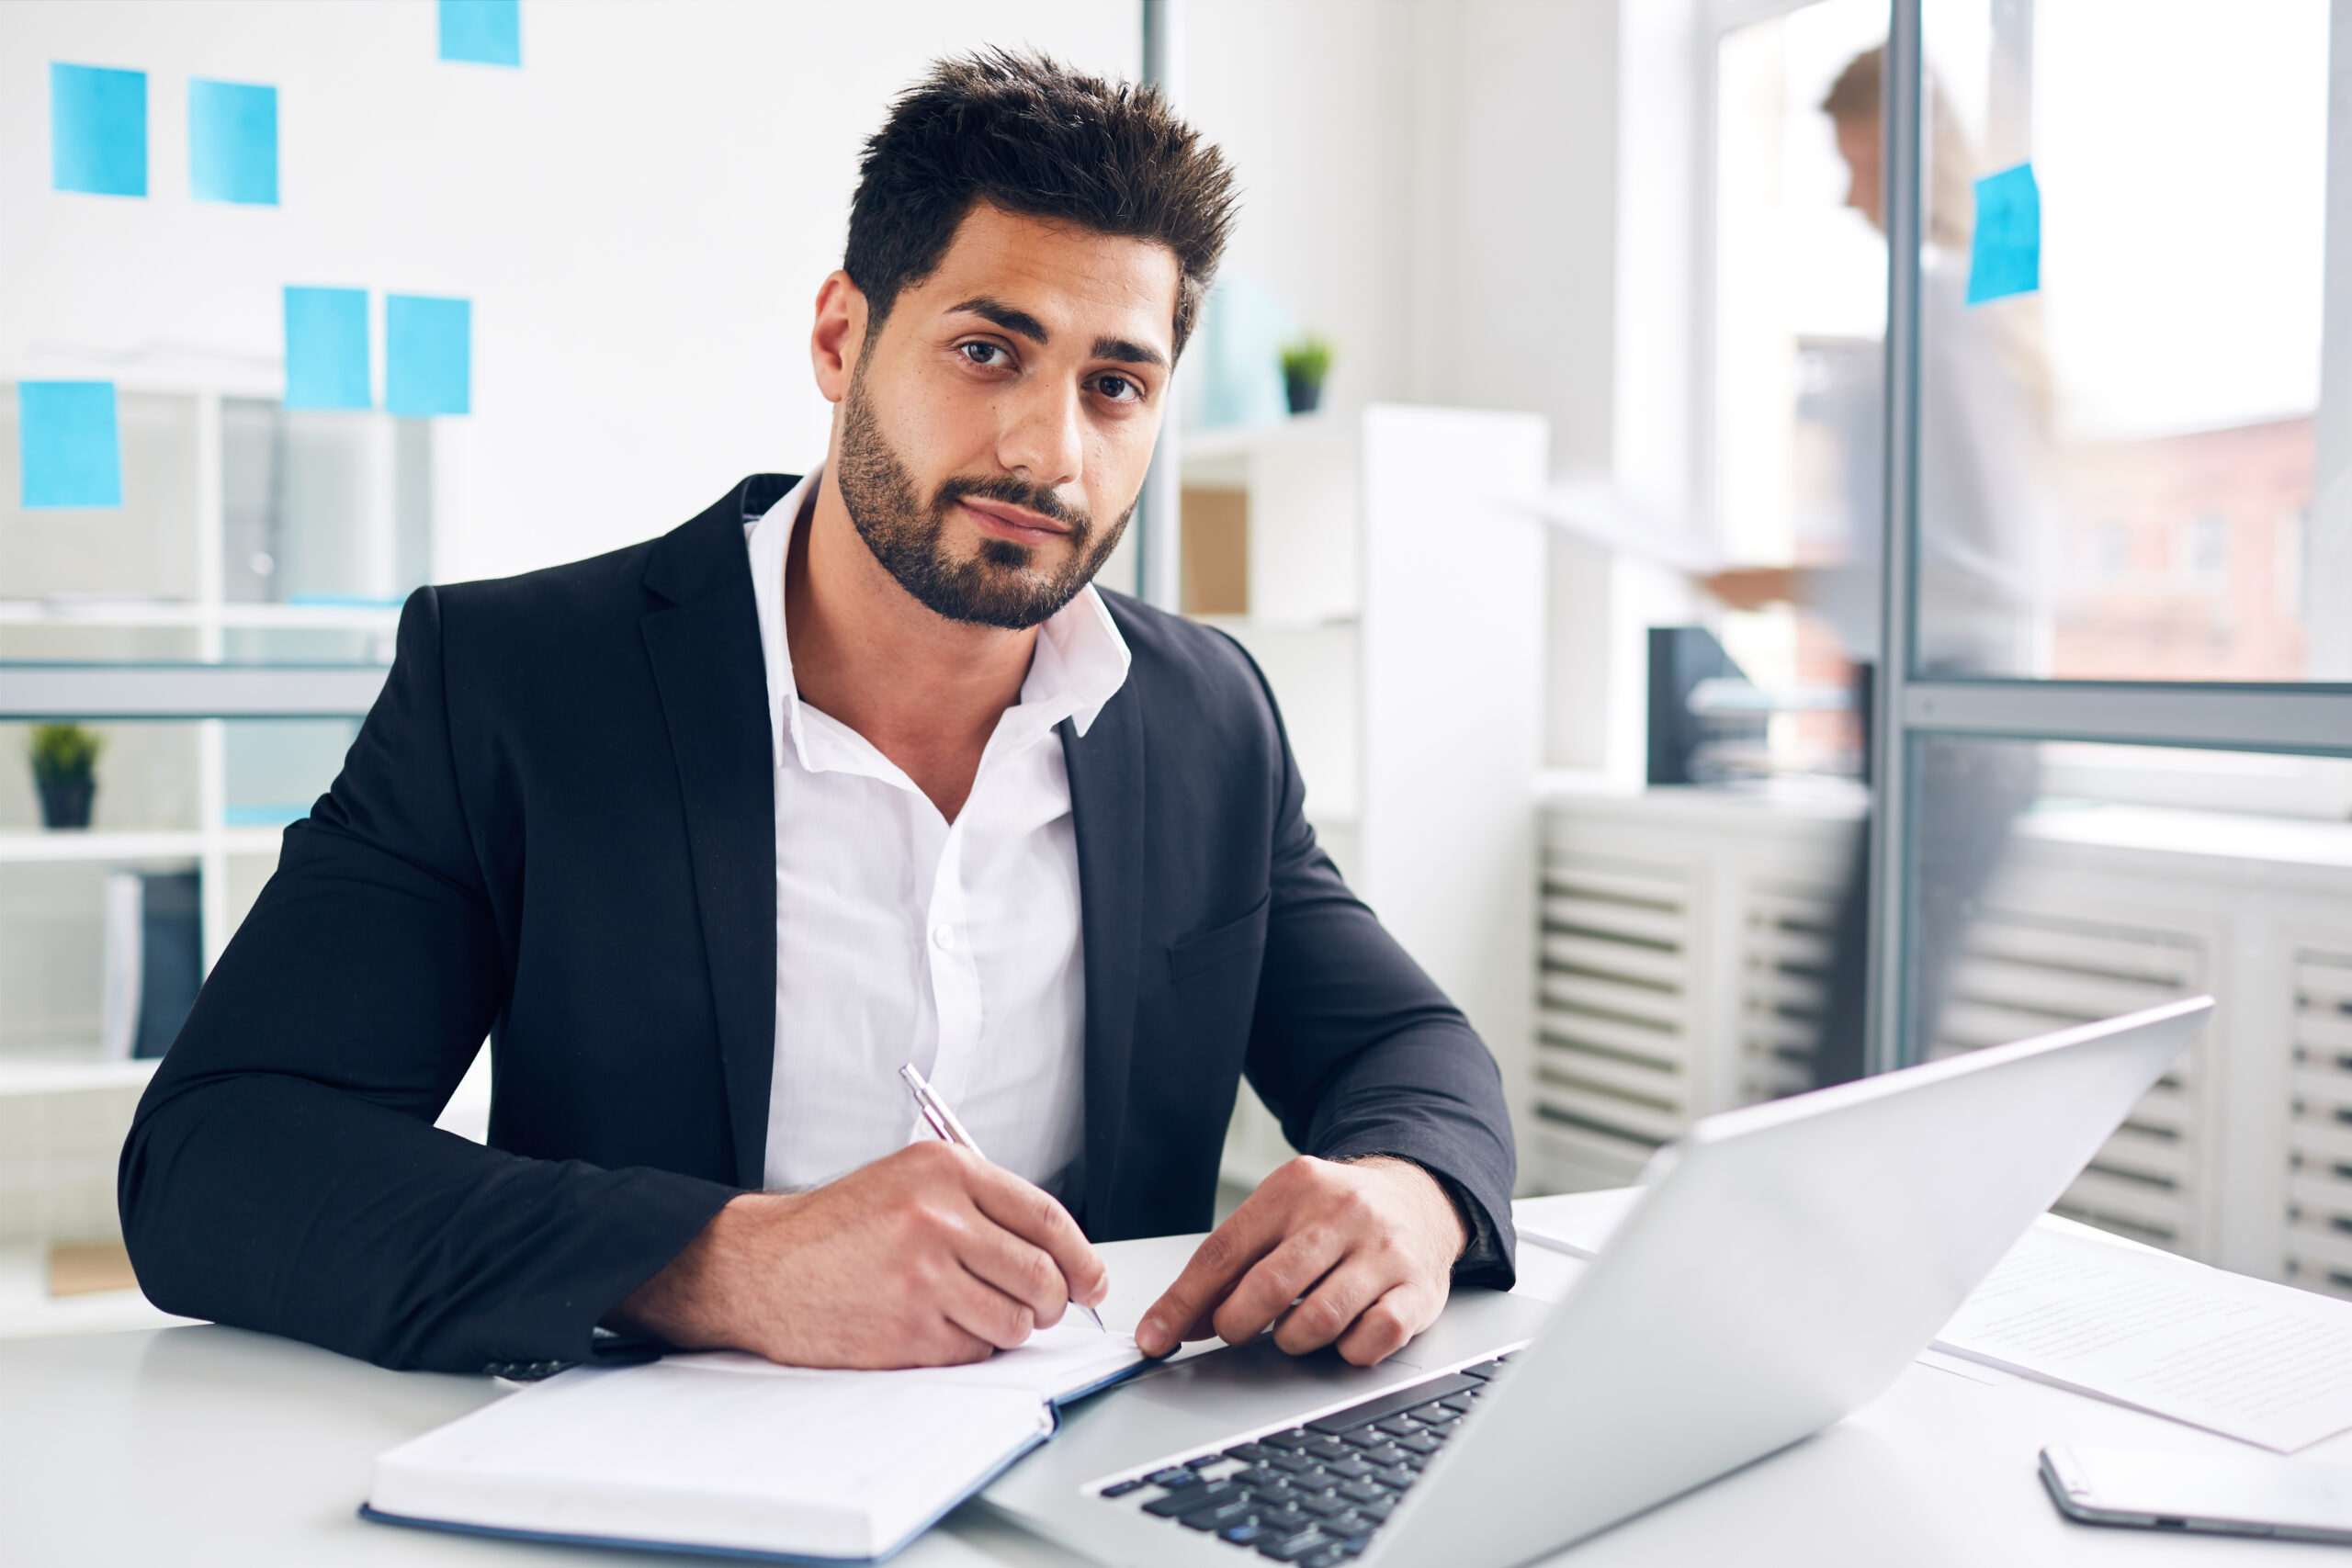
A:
2265, 1363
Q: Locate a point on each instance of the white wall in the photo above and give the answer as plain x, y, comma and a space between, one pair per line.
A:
1488, 204
642, 212
1312, 103
1433, 183
640, 215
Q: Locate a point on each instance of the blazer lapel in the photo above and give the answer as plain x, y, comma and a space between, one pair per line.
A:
1106, 797
704, 648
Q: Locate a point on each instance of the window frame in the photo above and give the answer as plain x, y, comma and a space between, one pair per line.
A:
2300, 718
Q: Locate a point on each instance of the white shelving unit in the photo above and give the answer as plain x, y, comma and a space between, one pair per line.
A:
1395, 604
152, 582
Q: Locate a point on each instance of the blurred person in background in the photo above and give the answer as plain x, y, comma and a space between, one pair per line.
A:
1984, 516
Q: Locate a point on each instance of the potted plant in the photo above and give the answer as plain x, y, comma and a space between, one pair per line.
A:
1305, 361
65, 768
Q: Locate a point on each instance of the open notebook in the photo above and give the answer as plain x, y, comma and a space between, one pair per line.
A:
727, 1452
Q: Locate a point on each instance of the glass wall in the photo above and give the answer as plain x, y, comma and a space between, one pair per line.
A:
2120, 343
2082, 400
2118, 740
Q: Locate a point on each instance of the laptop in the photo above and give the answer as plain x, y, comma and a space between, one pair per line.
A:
1781, 1266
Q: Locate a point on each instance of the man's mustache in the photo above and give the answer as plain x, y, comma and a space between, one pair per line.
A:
1014, 493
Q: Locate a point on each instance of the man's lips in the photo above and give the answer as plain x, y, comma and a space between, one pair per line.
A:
1007, 521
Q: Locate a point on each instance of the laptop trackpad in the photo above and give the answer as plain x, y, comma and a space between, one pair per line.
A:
1254, 1384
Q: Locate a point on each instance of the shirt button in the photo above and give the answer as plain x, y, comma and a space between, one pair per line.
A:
943, 937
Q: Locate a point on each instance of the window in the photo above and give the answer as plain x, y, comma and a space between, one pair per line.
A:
1991, 319
2154, 389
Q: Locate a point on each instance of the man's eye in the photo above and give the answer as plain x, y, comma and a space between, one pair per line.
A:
989, 354
1118, 388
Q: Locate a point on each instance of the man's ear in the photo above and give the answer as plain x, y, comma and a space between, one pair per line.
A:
839, 335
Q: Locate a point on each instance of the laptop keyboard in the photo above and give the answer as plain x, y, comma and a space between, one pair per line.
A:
1314, 1494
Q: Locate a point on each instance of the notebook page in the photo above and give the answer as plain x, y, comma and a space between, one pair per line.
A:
1053, 1364
821, 1463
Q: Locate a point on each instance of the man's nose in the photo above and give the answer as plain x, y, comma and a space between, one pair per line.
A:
1044, 439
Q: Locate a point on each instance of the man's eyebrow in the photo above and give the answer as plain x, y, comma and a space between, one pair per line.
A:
1125, 353
1006, 316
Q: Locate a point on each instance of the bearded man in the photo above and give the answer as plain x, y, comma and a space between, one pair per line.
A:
710, 834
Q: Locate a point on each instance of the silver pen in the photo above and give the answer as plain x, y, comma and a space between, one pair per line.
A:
942, 1122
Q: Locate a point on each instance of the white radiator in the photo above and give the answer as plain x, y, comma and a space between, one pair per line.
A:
1685, 946
2319, 1135
1614, 1027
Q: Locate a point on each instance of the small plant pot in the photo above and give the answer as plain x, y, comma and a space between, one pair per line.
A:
1305, 396
65, 803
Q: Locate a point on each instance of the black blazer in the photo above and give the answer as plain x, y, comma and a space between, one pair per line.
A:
557, 828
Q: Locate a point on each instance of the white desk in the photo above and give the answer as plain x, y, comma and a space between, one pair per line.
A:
180, 1447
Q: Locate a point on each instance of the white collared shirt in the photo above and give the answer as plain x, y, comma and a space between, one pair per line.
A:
903, 937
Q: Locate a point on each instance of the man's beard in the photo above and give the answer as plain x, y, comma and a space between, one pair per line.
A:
995, 587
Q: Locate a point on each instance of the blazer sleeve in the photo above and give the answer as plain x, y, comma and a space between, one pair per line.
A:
1358, 1051
283, 1172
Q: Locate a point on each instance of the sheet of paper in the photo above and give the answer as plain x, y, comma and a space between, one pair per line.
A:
1580, 1233
1985, 1372
1595, 510
2265, 1363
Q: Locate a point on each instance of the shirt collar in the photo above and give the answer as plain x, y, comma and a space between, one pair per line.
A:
1080, 663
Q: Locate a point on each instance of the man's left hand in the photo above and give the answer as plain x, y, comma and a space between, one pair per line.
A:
1359, 1254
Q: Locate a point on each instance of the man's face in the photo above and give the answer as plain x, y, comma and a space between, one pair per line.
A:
996, 431
1857, 143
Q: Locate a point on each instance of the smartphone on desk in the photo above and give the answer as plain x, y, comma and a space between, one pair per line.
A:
2249, 1494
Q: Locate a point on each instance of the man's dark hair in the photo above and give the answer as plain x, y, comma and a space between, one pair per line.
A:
1032, 137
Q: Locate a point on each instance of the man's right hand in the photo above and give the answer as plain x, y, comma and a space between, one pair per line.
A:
929, 1257
1753, 587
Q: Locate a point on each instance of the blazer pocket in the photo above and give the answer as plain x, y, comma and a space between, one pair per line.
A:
1231, 940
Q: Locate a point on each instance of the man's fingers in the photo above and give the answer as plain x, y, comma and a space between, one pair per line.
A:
1026, 1273
1031, 1213
1290, 1271
1183, 1310
985, 1313
1331, 1308
1383, 1328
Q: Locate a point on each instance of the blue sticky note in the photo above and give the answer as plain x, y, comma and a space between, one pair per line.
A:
69, 448
326, 348
428, 354
232, 142
2004, 256
98, 129
487, 33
